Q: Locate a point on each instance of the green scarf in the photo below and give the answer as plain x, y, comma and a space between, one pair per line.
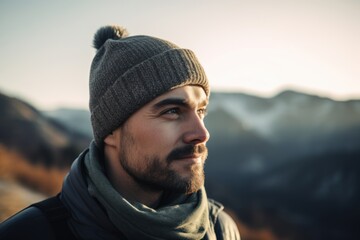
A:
188, 219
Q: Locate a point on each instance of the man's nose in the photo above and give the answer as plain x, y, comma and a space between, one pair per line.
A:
196, 131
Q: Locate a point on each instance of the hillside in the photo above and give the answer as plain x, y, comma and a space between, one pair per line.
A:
39, 139
35, 154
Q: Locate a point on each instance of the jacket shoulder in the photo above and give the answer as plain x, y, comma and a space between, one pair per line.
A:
29, 223
224, 226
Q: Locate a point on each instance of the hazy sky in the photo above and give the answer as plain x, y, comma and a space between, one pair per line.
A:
258, 47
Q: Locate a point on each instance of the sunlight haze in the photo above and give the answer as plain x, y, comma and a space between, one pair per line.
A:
257, 47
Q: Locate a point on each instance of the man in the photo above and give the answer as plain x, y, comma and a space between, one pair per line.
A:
142, 176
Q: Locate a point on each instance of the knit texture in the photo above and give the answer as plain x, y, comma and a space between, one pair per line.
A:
128, 72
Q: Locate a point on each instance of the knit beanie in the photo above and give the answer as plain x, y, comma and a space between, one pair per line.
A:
129, 71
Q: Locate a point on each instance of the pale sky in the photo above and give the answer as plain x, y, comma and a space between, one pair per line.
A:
257, 47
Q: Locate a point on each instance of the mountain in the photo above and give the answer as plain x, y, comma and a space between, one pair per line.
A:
288, 164
36, 137
287, 126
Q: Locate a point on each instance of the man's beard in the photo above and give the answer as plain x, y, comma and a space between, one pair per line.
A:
157, 174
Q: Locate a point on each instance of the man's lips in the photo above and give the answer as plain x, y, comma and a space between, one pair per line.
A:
191, 158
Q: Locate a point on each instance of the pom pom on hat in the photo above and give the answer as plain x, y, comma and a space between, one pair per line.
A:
108, 32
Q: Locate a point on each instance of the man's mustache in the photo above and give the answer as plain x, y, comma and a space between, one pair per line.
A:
186, 151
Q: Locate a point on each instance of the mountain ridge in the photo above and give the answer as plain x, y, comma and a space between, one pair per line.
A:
36, 137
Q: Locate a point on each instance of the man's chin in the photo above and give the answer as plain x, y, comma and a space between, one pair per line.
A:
194, 183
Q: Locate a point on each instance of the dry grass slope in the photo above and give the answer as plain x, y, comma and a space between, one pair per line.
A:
15, 169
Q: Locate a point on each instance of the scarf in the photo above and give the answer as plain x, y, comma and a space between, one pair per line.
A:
188, 218
101, 212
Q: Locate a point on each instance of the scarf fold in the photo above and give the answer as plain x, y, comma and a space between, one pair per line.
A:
188, 219
88, 218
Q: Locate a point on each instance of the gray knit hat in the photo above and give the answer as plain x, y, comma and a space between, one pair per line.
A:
128, 72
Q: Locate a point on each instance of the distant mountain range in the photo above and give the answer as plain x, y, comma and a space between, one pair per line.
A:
288, 126
289, 163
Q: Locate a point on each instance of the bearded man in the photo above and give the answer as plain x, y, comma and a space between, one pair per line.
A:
143, 175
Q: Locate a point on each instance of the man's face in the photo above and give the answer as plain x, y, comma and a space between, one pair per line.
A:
162, 146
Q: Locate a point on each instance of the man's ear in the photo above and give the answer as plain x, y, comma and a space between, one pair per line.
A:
112, 139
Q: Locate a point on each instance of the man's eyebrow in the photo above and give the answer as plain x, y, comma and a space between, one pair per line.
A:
176, 101
171, 101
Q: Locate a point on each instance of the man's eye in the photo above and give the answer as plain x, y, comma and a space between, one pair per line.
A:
172, 111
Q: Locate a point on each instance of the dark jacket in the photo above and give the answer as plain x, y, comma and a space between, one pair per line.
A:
31, 223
